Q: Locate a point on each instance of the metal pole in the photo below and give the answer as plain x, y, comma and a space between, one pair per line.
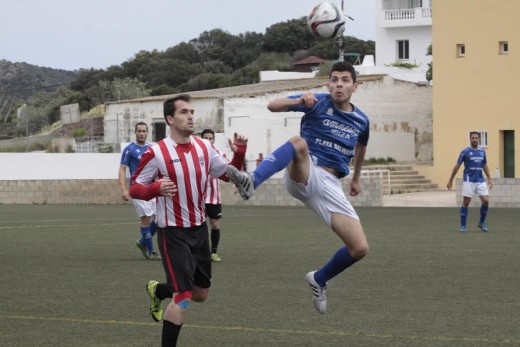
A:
26, 130
341, 42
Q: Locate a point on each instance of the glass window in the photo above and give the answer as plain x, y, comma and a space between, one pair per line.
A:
483, 138
461, 50
403, 50
503, 47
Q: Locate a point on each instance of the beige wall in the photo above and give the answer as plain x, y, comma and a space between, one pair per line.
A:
479, 91
106, 191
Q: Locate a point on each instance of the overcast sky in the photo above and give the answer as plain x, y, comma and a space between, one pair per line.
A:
73, 34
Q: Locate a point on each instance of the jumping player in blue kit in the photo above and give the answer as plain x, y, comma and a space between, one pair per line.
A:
333, 131
473, 182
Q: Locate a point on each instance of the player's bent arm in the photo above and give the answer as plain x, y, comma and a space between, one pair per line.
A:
145, 192
237, 161
283, 104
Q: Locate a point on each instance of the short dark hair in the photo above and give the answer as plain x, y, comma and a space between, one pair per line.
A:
474, 132
344, 66
207, 131
169, 105
140, 123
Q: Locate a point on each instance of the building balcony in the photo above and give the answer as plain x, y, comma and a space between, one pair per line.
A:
408, 17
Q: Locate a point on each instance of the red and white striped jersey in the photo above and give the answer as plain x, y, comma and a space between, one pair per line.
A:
213, 188
189, 166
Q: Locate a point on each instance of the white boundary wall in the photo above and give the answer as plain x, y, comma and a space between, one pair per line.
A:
59, 166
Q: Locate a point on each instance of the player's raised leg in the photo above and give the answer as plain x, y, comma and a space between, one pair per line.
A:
246, 183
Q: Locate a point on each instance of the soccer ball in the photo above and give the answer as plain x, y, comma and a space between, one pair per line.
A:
326, 21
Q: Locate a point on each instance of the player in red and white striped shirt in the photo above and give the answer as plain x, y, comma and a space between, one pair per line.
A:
213, 201
176, 170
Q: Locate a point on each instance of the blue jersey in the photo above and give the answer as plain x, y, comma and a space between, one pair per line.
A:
474, 161
131, 156
331, 133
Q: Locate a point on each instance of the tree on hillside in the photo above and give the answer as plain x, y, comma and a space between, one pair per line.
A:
215, 59
122, 89
183, 51
289, 36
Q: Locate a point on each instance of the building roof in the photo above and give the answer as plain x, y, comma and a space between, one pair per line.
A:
250, 89
310, 60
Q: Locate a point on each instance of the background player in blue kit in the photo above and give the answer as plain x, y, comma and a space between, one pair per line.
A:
333, 131
130, 159
473, 182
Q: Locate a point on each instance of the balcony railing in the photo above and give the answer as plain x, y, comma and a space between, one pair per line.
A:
406, 17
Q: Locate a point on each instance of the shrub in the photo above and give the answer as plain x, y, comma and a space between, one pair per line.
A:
79, 132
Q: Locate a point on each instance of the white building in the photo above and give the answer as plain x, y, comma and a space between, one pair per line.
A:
403, 34
400, 114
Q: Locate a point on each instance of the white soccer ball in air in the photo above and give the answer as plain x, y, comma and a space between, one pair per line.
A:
326, 21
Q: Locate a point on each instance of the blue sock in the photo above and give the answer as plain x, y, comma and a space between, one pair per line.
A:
273, 163
153, 228
147, 238
337, 264
483, 213
463, 215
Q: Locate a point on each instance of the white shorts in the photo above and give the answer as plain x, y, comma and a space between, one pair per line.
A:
144, 208
471, 189
323, 194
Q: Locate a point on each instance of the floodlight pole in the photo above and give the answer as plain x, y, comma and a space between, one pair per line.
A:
340, 41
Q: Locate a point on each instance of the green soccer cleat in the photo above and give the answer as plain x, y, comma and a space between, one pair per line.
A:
155, 256
462, 229
156, 310
143, 249
215, 258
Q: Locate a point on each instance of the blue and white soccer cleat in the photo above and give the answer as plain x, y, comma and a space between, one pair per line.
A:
483, 227
242, 180
462, 229
143, 249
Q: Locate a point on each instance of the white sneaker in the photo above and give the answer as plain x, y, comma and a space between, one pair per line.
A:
242, 180
319, 294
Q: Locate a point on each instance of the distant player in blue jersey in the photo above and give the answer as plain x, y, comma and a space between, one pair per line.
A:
333, 131
473, 182
130, 159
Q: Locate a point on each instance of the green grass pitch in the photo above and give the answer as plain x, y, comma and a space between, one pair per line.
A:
72, 276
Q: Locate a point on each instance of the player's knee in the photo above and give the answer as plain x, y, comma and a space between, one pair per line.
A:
215, 223
200, 294
183, 299
300, 145
360, 251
